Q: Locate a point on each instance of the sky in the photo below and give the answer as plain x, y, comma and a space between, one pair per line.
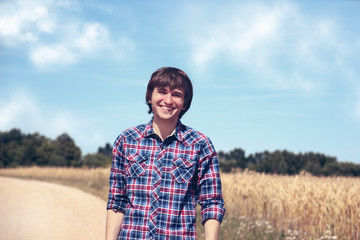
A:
267, 75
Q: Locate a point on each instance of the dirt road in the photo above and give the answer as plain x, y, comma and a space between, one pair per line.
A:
38, 210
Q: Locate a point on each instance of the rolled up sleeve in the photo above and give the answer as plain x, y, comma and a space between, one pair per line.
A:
209, 185
117, 198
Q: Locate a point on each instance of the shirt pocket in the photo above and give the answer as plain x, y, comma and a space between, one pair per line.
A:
136, 165
182, 170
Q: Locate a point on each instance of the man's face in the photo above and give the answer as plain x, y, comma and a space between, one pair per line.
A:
166, 103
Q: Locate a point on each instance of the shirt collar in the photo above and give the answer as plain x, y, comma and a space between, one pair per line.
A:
149, 130
178, 133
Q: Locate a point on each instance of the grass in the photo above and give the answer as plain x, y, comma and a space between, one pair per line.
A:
294, 207
95, 181
259, 206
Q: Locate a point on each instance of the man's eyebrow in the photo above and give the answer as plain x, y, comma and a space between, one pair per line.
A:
178, 91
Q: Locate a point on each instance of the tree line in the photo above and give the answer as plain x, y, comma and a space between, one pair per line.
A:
285, 162
19, 149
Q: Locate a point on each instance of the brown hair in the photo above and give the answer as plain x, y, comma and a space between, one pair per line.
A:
172, 78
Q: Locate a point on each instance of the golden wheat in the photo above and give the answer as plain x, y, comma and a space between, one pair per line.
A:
302, 206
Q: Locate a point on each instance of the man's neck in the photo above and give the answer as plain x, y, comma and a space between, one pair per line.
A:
164, 128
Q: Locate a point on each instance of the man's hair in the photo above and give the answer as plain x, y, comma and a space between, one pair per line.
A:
172, 78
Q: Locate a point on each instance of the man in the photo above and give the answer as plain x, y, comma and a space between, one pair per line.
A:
162, 169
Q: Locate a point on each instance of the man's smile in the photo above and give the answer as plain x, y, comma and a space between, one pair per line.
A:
167, 108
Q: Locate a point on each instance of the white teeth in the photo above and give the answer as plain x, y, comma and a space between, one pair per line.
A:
166, 108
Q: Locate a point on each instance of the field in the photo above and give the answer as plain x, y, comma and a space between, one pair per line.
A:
259, 206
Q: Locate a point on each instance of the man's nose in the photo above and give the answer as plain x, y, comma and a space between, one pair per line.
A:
167, 98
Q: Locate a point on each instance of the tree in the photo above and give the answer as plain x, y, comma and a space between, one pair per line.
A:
96, 160
18, 149
66, 152
234, 159
107, 150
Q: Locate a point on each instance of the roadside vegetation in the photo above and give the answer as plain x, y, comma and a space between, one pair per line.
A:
259, 206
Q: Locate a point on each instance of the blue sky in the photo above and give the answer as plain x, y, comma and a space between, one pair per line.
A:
267, 75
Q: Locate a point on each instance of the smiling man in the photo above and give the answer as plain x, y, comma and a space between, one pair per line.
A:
161, 170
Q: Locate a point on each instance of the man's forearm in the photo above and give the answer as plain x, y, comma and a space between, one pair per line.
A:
113, 224
212, 228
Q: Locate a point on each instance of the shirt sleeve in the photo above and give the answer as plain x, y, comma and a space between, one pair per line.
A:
117, 199
209, 185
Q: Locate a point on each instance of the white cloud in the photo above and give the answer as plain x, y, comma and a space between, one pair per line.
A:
24, 21
18, 107
52, 54
21, 110
254, 39
239, 35
51, 43
93, 36
275, 43
73, 5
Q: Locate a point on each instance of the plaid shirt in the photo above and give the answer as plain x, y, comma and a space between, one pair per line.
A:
157, 184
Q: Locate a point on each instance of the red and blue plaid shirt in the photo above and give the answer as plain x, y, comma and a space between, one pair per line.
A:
157, 184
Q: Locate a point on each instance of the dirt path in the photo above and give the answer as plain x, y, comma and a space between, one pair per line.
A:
38, 210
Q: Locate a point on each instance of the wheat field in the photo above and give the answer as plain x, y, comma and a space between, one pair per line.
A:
259, 206
303, 206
